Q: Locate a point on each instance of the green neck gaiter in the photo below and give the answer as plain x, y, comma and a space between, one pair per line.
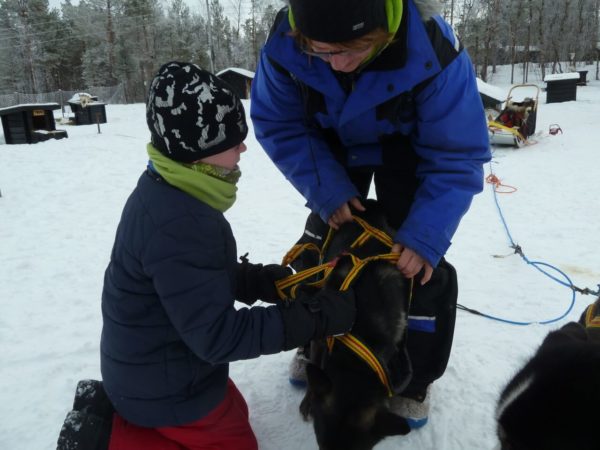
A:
210, 184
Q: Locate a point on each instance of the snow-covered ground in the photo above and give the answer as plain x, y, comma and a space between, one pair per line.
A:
61, 201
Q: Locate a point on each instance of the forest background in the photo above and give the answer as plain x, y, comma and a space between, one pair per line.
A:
122, 42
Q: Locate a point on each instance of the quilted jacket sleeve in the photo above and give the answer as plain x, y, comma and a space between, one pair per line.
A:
187, 261
451, 141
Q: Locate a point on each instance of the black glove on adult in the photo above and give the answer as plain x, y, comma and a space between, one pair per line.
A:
308, 317
257, 282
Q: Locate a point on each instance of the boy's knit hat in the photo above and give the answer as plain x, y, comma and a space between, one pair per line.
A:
192, 113
337, 20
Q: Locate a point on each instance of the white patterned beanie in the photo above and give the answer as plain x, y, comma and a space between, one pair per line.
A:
192, 113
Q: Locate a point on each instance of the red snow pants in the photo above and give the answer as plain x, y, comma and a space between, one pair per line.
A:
225, 428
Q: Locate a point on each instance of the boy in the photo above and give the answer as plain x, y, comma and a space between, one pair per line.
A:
169, 323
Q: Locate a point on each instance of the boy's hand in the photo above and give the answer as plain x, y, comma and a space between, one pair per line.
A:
314, 316
268, 276
257, 282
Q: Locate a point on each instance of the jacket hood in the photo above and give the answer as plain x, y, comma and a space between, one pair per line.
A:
428, 8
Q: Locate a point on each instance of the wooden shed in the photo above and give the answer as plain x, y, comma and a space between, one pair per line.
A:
561, 87
239, 79
30, 123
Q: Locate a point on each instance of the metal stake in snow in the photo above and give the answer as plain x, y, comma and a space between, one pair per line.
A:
98, 122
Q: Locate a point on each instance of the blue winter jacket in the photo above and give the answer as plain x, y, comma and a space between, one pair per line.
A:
417, 96
170, 326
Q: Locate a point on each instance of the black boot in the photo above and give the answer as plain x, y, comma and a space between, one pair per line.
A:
84, 431
88, 426
90, 397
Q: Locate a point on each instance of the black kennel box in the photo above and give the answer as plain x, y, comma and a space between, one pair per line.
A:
30, 123
582, 77
89, 114
561, 87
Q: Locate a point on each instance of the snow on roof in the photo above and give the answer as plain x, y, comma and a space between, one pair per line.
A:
29, 106
244, 72
562, 76
491, 91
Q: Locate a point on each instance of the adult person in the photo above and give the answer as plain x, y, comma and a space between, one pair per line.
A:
350, 92
170, 328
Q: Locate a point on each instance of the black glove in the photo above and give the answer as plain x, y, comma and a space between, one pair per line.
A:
257, 282
309, 317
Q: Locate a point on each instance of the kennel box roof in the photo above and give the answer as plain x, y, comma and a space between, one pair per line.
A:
239, 79
30, 123
562, 76
29, 107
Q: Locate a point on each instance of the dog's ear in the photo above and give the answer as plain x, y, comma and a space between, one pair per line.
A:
319, 382
390, 424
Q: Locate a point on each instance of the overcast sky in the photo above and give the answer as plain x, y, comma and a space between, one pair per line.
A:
193, 4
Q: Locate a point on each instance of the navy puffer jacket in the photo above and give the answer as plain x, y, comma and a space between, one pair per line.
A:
170, 326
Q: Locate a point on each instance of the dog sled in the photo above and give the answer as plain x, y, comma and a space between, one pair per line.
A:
517, 120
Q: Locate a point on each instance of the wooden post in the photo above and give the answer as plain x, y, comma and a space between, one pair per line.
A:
98, 122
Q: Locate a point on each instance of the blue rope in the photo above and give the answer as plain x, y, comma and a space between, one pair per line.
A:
538, 265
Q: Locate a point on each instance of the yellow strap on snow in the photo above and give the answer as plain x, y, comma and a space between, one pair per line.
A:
498, 125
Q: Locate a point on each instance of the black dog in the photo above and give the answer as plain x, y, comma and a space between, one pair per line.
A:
346, 399
552, 403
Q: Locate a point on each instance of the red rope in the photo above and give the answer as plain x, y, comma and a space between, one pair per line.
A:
498, 186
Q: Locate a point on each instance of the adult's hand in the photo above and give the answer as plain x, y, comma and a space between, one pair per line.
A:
410, 263
343, 214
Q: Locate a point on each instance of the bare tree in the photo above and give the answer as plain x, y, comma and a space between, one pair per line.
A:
27, 44
110, 39
596, 35
237, 7
513, 10
527, 49
490, 36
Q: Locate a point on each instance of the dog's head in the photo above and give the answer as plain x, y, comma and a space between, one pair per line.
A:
349, 420
552, 402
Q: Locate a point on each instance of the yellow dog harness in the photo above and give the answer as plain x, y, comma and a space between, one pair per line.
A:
290, 284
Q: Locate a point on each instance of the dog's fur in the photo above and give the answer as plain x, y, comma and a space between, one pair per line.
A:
85, 99
346, 400
552, 402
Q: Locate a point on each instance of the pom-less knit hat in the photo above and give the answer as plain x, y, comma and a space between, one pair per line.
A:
337, 20
192, 113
